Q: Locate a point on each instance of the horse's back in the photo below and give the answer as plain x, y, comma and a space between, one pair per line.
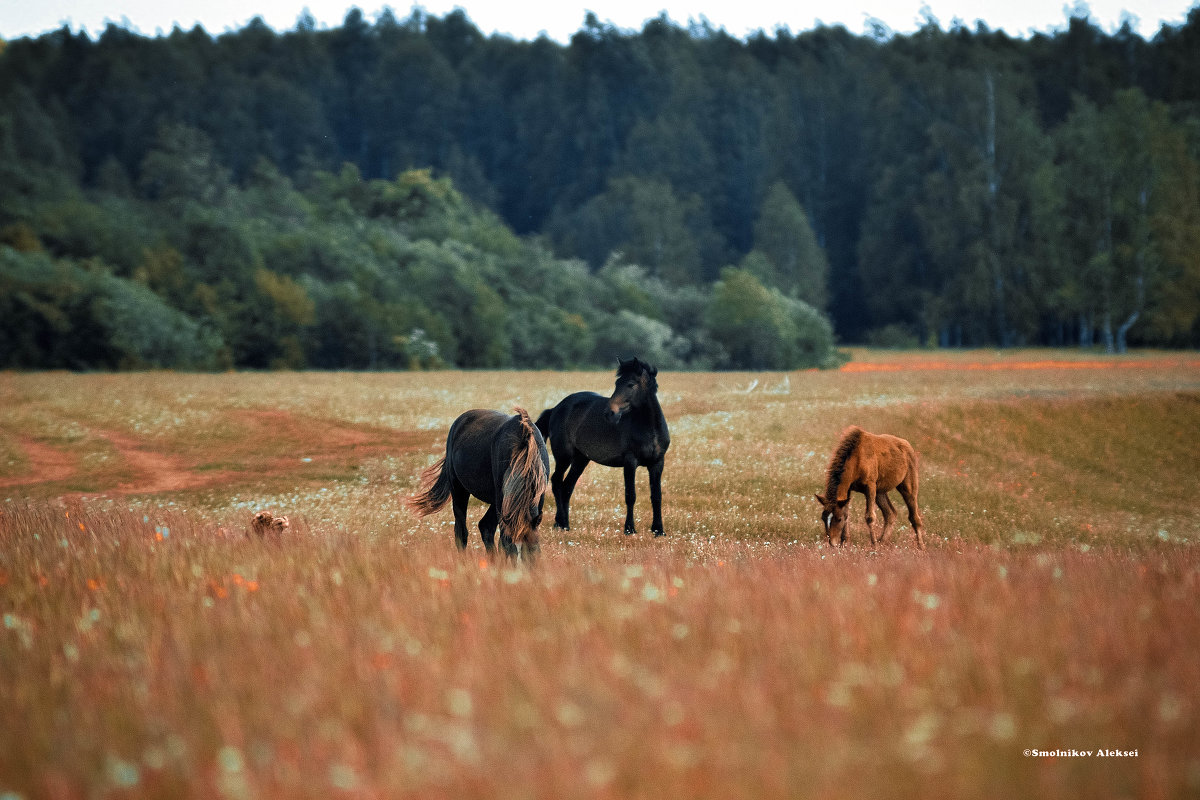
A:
476, 424
894, 458
573, 411
574, 405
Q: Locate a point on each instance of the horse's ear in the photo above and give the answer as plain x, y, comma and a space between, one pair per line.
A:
653, 371
820, 498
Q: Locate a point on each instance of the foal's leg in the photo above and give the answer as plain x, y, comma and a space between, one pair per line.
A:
656, 470
889, 514
487, 529
459, 497
562, 509
870, 493
909, 493
630, 493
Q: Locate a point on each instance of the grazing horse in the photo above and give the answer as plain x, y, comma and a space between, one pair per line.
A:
501, 460
871, 464
625, 430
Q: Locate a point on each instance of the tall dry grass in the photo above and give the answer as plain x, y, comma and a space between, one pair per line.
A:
152, 647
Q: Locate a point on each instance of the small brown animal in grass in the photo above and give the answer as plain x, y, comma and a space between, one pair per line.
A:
264, 523
873, 465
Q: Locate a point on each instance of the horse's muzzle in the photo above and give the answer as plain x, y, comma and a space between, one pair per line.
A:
527, 552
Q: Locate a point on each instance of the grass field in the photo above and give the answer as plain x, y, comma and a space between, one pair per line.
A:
152, 648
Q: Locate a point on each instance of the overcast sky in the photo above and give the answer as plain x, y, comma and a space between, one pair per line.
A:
526, 19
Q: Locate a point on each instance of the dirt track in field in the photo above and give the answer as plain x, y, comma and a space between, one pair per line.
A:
270, 446
46, 464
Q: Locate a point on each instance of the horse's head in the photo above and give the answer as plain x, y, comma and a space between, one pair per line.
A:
636, 384
833, 517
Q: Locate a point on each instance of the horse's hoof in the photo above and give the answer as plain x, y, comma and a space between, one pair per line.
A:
630, 531
659, 533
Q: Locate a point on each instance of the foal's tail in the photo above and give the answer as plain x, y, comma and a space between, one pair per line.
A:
526, 480
434, 490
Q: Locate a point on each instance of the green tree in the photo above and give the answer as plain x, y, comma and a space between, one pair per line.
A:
643, 220
760, 328
785, 237
1125, 172
627, 333
984, 150
145, 332
183, 167
1174, 298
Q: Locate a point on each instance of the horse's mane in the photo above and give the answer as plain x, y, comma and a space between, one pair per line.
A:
837, 463
525, 482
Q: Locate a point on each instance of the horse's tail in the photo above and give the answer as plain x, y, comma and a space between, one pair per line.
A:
434, 489
525, 481
543, 423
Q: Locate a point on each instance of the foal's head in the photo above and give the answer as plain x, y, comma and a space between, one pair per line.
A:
636, 384
833, 516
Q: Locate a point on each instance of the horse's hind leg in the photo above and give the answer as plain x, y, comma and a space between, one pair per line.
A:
656, 470
914, 514
487, 529
630, 494
562, 462
562, 498
889, 515
459, 496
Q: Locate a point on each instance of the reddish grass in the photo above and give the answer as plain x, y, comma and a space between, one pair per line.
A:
210, 663
152, 647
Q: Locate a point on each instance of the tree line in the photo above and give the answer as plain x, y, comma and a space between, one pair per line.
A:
410, 192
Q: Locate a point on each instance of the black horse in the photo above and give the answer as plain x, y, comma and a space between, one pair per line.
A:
626, 430
500, 459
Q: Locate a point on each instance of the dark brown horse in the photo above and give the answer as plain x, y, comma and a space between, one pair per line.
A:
501, 460
873, 465
626, 430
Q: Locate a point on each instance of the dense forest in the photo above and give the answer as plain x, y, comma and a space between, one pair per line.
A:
410, 193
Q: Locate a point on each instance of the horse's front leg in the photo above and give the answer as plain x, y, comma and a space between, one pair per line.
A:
630, 493
656, 471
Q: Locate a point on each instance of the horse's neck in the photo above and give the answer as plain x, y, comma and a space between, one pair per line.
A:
651, 410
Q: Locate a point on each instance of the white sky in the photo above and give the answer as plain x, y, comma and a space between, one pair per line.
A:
525, 19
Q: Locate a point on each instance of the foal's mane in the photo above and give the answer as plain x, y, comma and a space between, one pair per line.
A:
526, 481
837, 463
